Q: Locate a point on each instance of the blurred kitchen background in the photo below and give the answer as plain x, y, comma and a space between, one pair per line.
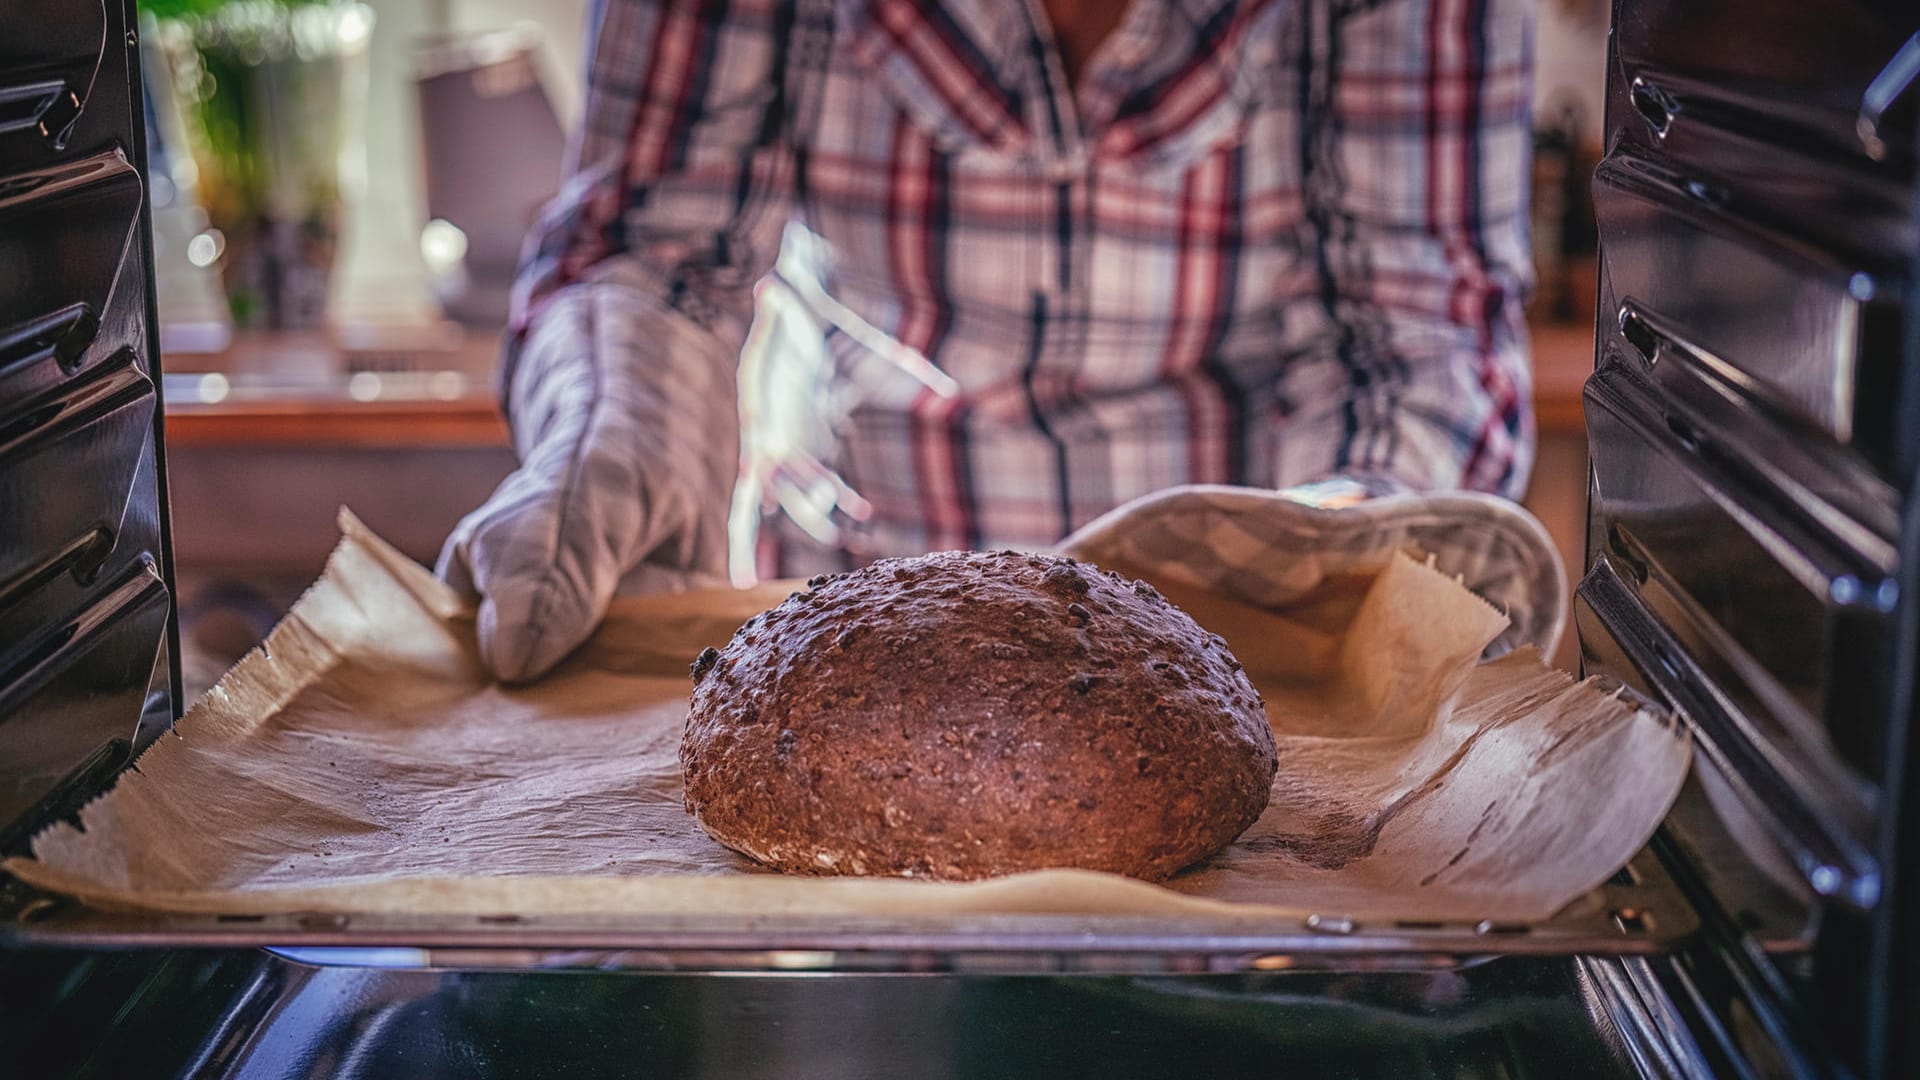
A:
331, 290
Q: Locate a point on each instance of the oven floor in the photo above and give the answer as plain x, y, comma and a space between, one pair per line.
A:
251, 1014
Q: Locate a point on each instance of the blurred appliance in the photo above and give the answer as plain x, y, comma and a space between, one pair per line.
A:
193, 314
1754, 563
491, 150
1562, 220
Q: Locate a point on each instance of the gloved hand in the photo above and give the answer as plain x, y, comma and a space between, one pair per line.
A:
1270, 548
624, 418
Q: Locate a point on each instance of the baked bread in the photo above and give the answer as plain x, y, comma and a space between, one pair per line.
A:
969, 714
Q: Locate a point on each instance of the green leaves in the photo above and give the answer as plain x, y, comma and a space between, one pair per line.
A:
181, 9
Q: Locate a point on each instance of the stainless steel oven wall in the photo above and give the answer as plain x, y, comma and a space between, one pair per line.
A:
86, 669
1750, 500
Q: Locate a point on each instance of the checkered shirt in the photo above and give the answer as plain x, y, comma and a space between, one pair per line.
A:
1261, 242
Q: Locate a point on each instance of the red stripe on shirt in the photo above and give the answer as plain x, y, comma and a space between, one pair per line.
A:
1197, 280
937, 459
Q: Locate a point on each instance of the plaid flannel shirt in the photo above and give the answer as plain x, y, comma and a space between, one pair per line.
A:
1261, 242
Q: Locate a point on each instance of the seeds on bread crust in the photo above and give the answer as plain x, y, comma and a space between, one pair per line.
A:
970, 714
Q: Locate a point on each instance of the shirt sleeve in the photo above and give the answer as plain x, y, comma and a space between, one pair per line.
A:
678, 182
1410, 368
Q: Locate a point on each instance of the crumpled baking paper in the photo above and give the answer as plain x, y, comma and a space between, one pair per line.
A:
361, 761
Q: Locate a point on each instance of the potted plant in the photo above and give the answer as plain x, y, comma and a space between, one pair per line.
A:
270, 95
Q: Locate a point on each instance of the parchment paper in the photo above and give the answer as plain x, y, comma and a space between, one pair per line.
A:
362, 762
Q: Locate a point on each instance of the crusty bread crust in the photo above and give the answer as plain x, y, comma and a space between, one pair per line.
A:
967, 714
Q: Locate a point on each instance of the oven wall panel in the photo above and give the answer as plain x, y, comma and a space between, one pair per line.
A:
1751, 476
86, 658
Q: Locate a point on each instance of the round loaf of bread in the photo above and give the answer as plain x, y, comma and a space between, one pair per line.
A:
969, 714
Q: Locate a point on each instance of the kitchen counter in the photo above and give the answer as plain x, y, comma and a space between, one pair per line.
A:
1562, 360
435, 388
426, 388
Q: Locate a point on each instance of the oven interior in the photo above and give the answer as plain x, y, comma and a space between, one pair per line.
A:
1754, 424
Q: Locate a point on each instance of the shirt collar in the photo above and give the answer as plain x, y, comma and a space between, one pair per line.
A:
1174, 74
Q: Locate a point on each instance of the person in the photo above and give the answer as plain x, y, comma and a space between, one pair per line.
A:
1254, 242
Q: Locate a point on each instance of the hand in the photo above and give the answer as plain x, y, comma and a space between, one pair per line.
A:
628, 441
1272, 549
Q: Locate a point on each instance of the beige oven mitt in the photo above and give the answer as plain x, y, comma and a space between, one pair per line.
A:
623, 418
1278, 550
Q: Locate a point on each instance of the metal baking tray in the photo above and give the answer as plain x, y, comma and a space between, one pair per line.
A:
1640, 910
